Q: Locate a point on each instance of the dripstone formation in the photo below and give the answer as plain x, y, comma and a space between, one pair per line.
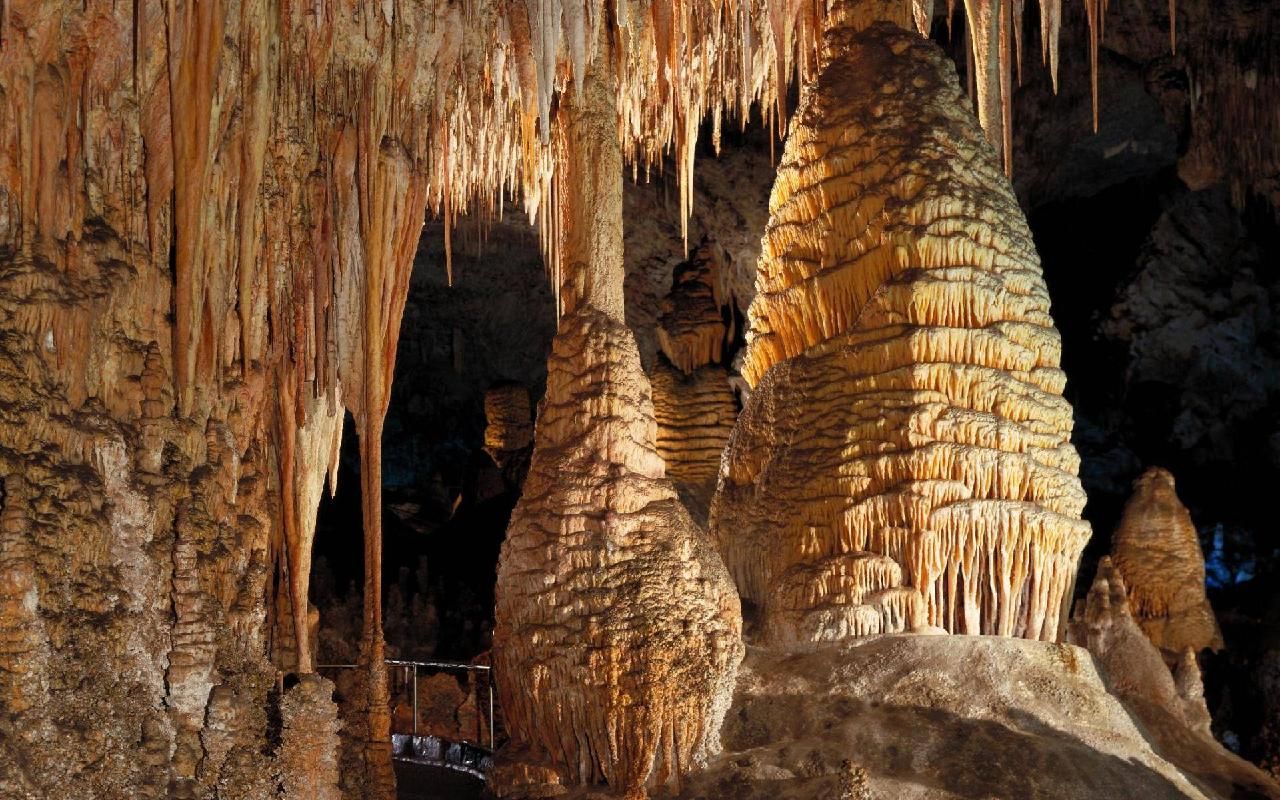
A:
1157, 550
617, 630
908, 410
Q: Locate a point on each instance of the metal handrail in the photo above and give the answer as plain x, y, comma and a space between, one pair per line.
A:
438, 665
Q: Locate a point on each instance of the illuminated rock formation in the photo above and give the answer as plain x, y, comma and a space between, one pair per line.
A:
694, 415
841, 597
692, 329
1157, 550
617, 630
508, 434
1104, 624
510, 421
908, 401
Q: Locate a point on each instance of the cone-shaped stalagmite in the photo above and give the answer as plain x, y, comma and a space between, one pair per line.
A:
1157, 551
617, 633
908, 399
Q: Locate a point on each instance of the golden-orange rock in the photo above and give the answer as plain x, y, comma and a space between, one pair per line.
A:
907, 399
695, 414
692, 329
1157, 550
617, 631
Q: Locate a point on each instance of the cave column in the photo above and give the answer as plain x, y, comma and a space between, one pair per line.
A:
617, 631
588, 258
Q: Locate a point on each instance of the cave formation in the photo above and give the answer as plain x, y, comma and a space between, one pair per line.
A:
209, 217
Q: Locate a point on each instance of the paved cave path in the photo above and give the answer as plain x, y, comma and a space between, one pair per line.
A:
421, 782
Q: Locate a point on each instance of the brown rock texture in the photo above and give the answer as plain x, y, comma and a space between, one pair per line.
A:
694, 414
1157, 550
692, 331
907, 396
1104, 624
617, 628
617, 631
1170, 707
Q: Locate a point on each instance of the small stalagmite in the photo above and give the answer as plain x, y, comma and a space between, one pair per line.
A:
692, 329
907, 398
1104, 624
617, 630
1157, 551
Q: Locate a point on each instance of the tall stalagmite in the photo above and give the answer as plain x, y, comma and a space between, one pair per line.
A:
617, 633
908, 401
1157, 550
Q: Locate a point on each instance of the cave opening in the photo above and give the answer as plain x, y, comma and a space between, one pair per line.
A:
446, 501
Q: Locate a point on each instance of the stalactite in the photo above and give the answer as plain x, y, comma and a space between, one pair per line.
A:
907, 396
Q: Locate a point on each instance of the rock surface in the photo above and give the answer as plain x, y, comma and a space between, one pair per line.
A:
908, 396
1157, 551
955, 717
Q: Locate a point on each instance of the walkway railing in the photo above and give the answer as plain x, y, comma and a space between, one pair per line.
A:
465, 756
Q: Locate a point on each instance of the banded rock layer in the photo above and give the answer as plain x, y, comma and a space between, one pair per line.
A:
695, 415
1157, 550
618, 633
908, 399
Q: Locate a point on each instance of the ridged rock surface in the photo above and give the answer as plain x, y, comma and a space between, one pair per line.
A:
695, 414
908, 400
1157, 550
617, 633
692, 330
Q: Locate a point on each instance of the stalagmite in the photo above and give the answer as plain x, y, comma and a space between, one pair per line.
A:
617, 630
1104, 624
1157, 550
907, 396
692, 329
694, 414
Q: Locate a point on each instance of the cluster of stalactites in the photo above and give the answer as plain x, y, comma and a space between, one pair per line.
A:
908, 399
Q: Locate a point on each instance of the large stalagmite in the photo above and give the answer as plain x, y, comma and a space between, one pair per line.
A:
617, 630
1157, 550
908, 401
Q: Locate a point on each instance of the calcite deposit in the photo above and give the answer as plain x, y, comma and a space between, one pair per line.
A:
908, 401
695, 414
693, 327
617, 630
209, 210
1157, 551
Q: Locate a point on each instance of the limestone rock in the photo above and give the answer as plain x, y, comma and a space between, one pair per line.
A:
617, 631
695, 414
840, 597
952, 718
1169, 706
307, 761
692, 329
1157, 550
908, 400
